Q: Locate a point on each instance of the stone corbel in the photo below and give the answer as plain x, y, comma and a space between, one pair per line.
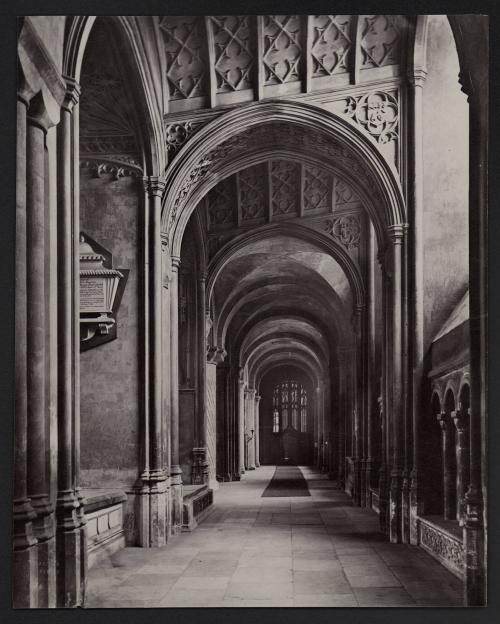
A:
216, 355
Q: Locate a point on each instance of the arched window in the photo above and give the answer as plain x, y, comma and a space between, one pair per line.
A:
289, 407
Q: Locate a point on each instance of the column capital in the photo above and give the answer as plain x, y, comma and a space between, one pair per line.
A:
154, 186
176, 262
43, 111
250, 392
418, 77
72, 96
257, 398
396, 232
444, 420
216, 355
461, 420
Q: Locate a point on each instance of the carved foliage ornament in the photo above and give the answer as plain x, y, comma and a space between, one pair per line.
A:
443, 545
233, 56
346, 230
178, 133
331, 44
282, 49
377, 112
184, 40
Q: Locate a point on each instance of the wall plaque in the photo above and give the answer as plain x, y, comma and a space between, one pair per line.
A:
101, 289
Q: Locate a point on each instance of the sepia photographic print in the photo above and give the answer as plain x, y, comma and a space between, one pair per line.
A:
250, 311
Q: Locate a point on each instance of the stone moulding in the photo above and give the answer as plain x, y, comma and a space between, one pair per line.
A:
222, 142
117, 168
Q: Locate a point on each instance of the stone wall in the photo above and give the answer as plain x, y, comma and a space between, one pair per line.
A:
445, 117
110, 389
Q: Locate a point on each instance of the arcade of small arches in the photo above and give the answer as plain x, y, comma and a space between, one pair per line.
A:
295, 221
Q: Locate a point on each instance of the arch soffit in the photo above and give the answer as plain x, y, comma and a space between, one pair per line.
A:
328, 331
291, 353
283, 345
276, 362
293, 230
228, 313
275, 326
285, 335
133, 30
299, 365
195, 169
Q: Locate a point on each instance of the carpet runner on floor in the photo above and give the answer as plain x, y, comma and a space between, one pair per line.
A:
287, 481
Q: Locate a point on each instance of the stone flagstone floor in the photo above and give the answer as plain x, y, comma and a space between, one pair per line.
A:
316, 551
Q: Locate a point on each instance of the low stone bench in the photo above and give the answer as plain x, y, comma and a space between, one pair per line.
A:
104, 512
197, 503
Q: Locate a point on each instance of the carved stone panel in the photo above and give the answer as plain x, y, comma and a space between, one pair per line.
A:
221, 203
331, 44
185, 49
233, 56
380, 40
285, 179
345, 229
253, 192
317, 190
344, 194
445, 547
282, 48
377, 112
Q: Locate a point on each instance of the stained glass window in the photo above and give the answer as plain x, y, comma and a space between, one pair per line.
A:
289, 406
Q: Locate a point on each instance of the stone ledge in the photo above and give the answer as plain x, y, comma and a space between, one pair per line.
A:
99, 498
197, 503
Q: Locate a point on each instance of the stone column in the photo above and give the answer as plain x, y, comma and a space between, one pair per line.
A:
24, 558
257, 429
341, 421
241, 422
449, 510
416, 208
250, 428
70, 518
214, 356
175, 469
396, 234
474, 80
201, 464
384, 402
37, 443
371, 366
154, 477
461, 420
357, 373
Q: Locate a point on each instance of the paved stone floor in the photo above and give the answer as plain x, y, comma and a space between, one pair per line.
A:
316, 551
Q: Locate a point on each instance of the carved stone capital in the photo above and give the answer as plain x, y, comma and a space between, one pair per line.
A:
396, 232
73, 92
461, 420
154, 186
444, 421
418, 77
176, 262
216, 355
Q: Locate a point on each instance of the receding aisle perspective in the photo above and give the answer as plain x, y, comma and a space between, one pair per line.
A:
254, 551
